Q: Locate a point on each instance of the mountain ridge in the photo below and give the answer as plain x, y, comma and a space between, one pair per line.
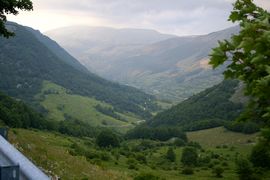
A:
25, 62
167, 69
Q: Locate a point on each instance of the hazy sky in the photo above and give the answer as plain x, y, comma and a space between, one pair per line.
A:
181, 17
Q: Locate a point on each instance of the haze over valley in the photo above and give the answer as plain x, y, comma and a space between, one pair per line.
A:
169, 67
135, 90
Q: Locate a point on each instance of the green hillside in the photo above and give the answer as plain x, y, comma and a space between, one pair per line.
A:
25, 62
62, 105
210, 107
211, 138
70, 157
51, 152
63, 156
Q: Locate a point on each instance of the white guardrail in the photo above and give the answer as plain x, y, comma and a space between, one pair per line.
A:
10, 156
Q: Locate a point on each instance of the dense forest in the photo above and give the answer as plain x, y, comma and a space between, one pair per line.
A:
15, 113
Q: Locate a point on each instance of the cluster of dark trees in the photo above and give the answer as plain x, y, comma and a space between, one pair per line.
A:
204, 124
156, 133
73, 127
15, 113
243, 127
107, 138
109, 112
235, 126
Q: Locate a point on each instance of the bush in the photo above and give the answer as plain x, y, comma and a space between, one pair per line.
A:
132, 166
194, 144
144, 145
187, 171
171, 154
131, 161
244, 169
204, 159
218, 171
104, 156
156, 133
146, 176
107, 138
179, 142
224, 146
189, 156
260, 155
225, 164
91, 155
141, 158
215, 162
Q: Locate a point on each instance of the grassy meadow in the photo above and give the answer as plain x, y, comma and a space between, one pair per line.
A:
61, 104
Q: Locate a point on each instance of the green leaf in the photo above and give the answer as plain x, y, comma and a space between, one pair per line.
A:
257, 59
234, 16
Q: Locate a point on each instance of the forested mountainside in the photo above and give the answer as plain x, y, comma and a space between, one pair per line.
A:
26, 61
210, 108
58, 50
16, 114
212, 104
174, 68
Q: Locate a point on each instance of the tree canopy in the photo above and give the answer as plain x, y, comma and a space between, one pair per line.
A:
189, 156
107, 138
11, 7
248, 55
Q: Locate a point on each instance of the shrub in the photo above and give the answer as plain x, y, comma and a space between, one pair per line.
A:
144, 145
211, 165
260, 155
187, 171
131, 161
194, 144
91, 155
244, 169
146, 176
218, 171
224, 164
189, 156
204, 159
141, 158
224, 146
171, 154
215, 162
132, 166
104, 156
107, 138
179, 142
